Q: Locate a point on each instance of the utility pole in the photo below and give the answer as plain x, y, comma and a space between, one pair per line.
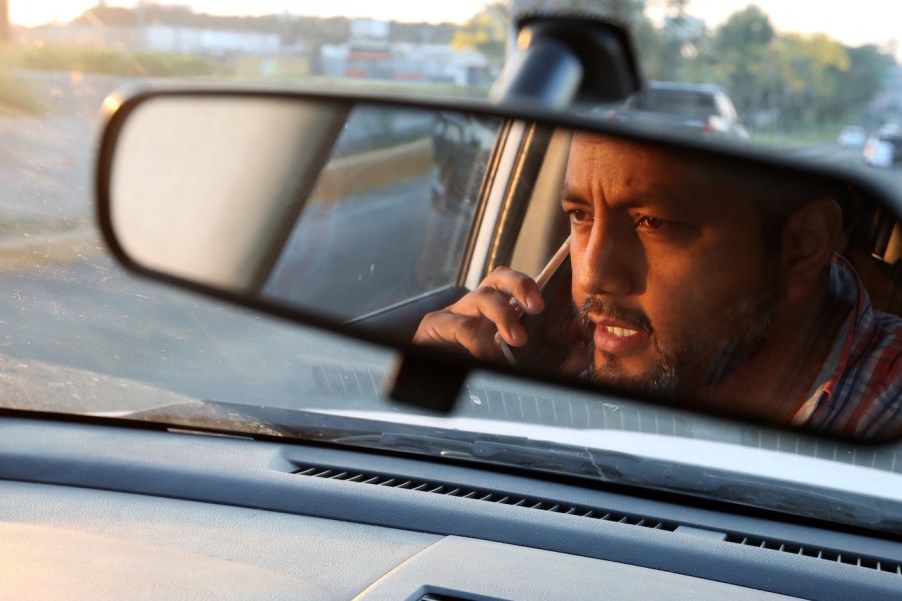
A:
4, 21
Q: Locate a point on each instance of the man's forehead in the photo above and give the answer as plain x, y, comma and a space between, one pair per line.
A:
597, 160
640, 171
623, 156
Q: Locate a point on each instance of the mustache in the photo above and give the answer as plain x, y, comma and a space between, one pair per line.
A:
596, 305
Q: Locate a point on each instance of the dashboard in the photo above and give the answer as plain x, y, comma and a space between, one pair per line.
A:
103, 512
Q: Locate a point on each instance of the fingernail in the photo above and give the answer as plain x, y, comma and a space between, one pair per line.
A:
534, 302
518, 336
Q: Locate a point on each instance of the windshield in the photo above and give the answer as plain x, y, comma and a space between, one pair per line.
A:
81, 335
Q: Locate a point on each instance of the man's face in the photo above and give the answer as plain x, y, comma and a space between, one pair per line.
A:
669, 267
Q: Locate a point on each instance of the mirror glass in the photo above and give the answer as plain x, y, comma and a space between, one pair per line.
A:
654, 270
336, 209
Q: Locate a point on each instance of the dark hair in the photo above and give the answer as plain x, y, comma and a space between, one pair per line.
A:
778, 193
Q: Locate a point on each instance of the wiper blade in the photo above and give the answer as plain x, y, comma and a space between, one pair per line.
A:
506, 450
722, 485
631, 470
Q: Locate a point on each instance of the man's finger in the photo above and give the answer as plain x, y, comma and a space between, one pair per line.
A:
495, 306
519, 286
475, 334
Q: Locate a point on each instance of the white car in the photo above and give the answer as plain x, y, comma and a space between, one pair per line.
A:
852, 136
882, 150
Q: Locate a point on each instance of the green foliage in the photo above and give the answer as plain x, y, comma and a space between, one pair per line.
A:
16, 96
779, 81
486, 31
107, 15
804, 75
749, 28
110, 62
740, 46
312, 31
868, 65
801, 79
422, 33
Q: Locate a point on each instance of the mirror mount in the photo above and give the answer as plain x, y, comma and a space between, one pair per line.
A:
566, 60
421, 381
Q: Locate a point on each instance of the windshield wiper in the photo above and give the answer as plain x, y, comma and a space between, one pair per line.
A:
625, 469
507, 450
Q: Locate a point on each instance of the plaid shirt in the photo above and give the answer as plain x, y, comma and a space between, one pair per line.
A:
862, 395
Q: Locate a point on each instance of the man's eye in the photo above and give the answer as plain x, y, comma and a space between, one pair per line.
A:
651, 223
579, 216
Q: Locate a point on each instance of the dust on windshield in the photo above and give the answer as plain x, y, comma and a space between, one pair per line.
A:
72, 312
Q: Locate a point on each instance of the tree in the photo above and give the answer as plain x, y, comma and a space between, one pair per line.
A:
748, 28
739, 51
4, 21
486, 31
809, 72
865, 75
681, 38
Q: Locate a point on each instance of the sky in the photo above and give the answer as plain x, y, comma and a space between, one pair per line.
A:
34, 12
853, 23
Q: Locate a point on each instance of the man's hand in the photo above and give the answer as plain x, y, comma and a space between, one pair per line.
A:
493, 307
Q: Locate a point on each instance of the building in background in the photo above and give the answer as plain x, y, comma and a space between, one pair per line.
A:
209, 42
370, 54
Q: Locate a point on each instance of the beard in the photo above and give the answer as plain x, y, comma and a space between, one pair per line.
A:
699, 360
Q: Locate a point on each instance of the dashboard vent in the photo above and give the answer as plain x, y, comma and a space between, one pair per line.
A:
861, 561
489, 496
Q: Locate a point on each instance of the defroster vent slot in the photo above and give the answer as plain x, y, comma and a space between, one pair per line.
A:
853, 559
490, 496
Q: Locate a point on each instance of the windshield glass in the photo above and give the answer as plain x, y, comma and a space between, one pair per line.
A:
82, 335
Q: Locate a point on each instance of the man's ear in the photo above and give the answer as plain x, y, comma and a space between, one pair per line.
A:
809, 238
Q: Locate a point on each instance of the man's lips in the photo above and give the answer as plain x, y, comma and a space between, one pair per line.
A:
618, 338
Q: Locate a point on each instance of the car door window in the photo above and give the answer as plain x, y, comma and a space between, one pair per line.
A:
389, 217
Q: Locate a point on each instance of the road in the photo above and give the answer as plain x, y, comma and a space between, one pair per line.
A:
91, 315
73, 307
46, 161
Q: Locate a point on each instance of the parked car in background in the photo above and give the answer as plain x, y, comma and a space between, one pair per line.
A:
688, 108
455, 147
852, 136
884, 148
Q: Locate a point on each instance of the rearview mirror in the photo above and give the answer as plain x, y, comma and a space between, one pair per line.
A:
706, 277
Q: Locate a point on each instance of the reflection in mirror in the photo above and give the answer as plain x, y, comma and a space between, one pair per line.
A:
684, 274
389, 215
709, 281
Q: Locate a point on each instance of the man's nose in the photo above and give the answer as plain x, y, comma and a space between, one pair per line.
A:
610, 261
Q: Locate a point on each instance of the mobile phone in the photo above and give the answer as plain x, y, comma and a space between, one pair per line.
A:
552, 334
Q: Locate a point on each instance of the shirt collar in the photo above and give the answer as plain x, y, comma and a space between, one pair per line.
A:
844, 286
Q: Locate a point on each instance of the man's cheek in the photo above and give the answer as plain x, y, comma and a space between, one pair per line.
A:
669, 300
678, 320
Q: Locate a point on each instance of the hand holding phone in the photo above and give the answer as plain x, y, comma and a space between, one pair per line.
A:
482, 320
552, 336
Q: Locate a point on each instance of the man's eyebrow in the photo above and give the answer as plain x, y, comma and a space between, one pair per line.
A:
672, 199
632, 202
571, 196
